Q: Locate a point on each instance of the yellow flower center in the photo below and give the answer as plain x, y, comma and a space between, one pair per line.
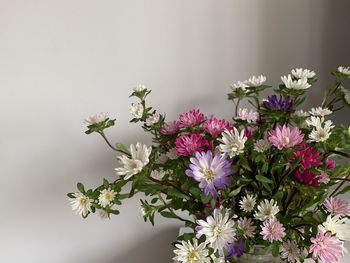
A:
209, 175
107, 196
83, 201
192, 256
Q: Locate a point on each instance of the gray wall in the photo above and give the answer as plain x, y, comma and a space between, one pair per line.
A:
63, 60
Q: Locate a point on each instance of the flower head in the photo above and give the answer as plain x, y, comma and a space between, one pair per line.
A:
262, 145
103, 214
344, 70
319, 111
136, 110
266, 209
232, 142
247, 227
290, 251
299, 84
212, 172
191, 118
303, 73
337, 226
326, 247
235, 249
215, 126
247, 203
247, 115
169, 128
254, 81
140, 88
278, 104
272, 230
308, 157
152, 119
81, 204
186, 145
307, 177
321, 132
239, 85
106, 197
336, 206
301, 114
97, 118
284, 137
187, 252
158, 174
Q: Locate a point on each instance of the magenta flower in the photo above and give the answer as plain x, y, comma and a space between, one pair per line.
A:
336, 206
326, 247
272, 230
308, 178
330, 164
191, 118
169, 128
283, 137
186, 145
249, 132
308, 157
215, 126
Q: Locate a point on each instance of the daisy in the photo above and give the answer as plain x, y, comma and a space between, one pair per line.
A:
218, 229
158, 174
301, 114
248, 115
266, 209
152, 119
319, 111
326, 247
169, 128
103, 214
303, 73
97, 118
106, 197
290, 251
140, 88
272, 230
314, 121
247, 203
337, 226
240, 85
186, 145
191, 118
344, 70
300, 84
336, 206
284, 137
247, 227
256, 81
81, 204
187, 252
232, 142
215, 126
262, 145
136, 110
321, 133
139, 159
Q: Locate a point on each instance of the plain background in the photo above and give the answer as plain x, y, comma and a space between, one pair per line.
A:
61, 61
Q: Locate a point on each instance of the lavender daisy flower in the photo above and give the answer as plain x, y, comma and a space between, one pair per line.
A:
278, 104
235, 249
212, 172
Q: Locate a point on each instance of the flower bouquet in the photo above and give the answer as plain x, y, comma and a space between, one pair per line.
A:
266, 180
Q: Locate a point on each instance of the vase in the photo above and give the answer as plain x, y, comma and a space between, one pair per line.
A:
259, 254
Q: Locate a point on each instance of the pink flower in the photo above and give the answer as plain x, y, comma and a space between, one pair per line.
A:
336, 206
186, 145
247, 115
306, 177
272, 230
169, 128
308, 158
215, 126
330, 164
191, 118
283, 137
326, 247
249, 132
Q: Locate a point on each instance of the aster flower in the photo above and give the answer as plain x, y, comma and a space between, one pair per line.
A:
266, 210
162, 158
140, 88
218, 259
247, 203
299, 84
247, 115
158, 174
330, 164
186, 145
346, 94
272, 230
303, 73
187, 252
235, 249
136, 110
169, 128
290, 251
301, 114
254, 81
172, 154
139, 159
239, 85
152, 119
323, 178
215, 126
106, 197
232, 142
344, 70
326, 247
283, 137
249, 132
212, 172
218, 229
321, 133
97, 118
191, 118
314, 121
308, 157
278, 104
336, 206
262, 145
247, 227
319, 111
103, 214
337, 226
307, 177
81, 204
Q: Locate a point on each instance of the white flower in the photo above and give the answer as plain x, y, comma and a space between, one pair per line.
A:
191, 253
319, 111
303, 73
239, 85
103, 214
136, 110
248, 115
81, 204
218, 229
346, 94
323, 178
172, 154
299, 84
97, 118
266, 210
139, 159
262, 145
232, 142
337, 226
140, 88
218, 259
256, 81
321, 133
301, 113
152, 119
344, 70
158, 174
247, 227
142, 211
247, 203
314, 121
290, 251
106, 197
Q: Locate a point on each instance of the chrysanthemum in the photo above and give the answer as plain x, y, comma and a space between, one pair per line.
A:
215, 126
262, 145
326, 247
319, 111
272, 230
106, 197
218, 229
247, 203
254, 81
323, 177
247, 227
247, 115
136, 110
191, 118
169, 128
278, 104
284, 137
336, 206
266, 209
308, 157
139, 159
81, 204
187, 252
344, 70
321, 133
140, 88
152, 119
307, 177
337, 226
299, 84
186, 145
232, 142
97, 118
290, 251
303, 73
240, 85
212, 172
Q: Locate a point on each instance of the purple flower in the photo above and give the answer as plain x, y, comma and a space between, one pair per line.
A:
212, 172
281, 104
235, 249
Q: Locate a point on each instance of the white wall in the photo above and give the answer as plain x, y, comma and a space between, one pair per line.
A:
63, 60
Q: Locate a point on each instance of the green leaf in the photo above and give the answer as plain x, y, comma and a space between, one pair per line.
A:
275, 249
105, 183
121, 147
263, 179
196, 192
345, 190
80, 187
167, 214
70, 195
235, 192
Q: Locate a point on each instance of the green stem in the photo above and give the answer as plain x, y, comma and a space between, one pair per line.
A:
110, 145
172, 211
